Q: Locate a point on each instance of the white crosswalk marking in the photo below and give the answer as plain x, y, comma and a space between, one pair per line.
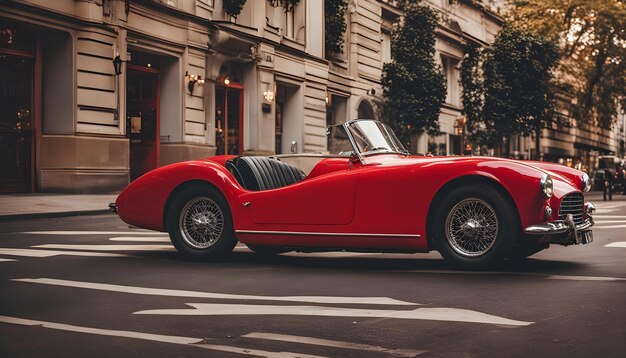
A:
50, 253
197, 294
185, 341
431, 314
617, 244
332, 343
141, 239
6, 260
138, 232
107, 247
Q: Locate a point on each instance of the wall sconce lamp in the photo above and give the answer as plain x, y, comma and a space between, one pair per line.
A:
269, 96
371, 92
193, 79
117, 65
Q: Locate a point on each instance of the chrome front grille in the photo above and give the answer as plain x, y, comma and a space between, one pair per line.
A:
572, 204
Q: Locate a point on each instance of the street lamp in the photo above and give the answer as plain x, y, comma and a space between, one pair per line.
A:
117, 65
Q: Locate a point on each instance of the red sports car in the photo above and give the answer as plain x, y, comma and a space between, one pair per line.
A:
372, 197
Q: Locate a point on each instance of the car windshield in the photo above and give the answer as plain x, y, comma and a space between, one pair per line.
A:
372, 137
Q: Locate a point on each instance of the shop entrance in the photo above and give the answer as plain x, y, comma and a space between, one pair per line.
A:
142, 113
16, 115
229, 111
229, 120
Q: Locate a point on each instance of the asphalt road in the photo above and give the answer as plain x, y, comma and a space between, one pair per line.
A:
92, 286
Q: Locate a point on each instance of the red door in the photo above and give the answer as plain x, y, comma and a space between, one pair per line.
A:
142, 119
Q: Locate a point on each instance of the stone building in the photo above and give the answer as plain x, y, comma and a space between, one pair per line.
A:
193, 81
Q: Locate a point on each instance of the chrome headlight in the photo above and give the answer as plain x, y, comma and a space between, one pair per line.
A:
586, 182
546, 185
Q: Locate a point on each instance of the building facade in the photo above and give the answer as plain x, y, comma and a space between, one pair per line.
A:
192, 82
94, 93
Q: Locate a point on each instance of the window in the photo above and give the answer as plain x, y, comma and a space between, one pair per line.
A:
385, 52
288, 24
450, 69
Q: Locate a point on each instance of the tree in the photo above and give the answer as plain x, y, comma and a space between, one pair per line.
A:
335, 24
413, 85
592, 37
515, 96
233, 7
473, 95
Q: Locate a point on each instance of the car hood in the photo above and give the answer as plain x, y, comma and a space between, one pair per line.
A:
559, 173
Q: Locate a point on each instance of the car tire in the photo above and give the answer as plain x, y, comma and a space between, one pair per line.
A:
476, 227
200, 224
264, 250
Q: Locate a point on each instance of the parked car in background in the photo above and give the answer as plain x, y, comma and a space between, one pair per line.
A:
372, 197
613, 164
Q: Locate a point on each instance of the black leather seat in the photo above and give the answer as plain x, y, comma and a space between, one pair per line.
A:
262, 173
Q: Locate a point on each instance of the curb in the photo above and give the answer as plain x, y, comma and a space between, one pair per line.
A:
58, 214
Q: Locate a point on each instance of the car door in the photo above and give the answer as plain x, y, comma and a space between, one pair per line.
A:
324, 200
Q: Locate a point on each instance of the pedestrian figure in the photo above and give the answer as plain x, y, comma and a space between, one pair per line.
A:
608, 185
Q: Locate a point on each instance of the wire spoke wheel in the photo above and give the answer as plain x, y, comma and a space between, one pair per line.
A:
201, 223
471, 227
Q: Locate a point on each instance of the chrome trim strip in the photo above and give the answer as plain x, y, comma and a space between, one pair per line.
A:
324, 233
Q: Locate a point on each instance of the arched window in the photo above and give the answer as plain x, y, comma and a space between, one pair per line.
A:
365, 110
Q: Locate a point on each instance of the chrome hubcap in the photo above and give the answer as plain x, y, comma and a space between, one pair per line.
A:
201, 223
471, 227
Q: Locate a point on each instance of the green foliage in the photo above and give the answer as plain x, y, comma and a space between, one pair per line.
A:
517, 95
473, 94
233, 7
413, 85
592, 37
288, 5
335, 24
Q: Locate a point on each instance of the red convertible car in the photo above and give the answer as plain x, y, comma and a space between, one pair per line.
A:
372, 197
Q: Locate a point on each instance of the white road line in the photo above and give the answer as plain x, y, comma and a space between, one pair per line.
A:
198, 294
546, 276
332, 343
185, 341
616, 244
584, 278
141, 239
90, 232
107, 247
431, 314
50, 253
609, 221
6, 260
610, 227
623, 217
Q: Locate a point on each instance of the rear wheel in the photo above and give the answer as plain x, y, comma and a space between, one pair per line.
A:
476, 227
200, 224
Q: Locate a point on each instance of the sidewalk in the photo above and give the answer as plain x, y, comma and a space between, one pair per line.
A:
23, 206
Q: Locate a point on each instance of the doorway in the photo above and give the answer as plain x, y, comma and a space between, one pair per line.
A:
229, 120
142, 114
16, 123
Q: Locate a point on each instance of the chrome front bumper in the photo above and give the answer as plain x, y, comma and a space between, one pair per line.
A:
564, 232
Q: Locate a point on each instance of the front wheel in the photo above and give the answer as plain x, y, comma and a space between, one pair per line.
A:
200, 224
476, 227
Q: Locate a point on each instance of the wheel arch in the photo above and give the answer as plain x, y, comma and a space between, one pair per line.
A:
181, 187
466, 180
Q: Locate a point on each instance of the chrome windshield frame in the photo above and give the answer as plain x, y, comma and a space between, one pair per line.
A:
355, 147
